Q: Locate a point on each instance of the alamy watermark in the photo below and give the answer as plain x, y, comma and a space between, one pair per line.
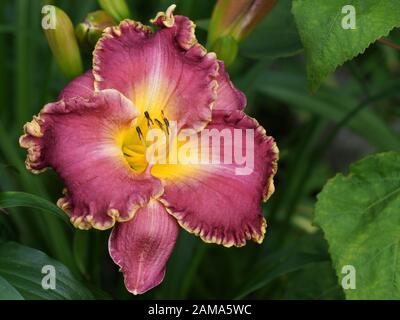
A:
49, 20
49, 279
349, 278
209, 147
349, 21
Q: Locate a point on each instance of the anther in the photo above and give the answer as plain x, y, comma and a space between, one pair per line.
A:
165, 121
166, 124
149, 120
139, 132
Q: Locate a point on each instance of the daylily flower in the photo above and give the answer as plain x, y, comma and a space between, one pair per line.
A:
93, 137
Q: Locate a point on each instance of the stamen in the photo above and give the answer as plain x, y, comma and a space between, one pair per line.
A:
166, 124
142, 140
165, 121
161, 126
149, 120
139, 132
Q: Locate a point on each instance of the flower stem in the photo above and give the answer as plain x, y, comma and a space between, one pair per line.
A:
389, 43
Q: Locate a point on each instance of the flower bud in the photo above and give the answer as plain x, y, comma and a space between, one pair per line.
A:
237, 18
90, 31
226, 49
118, 9
61, 38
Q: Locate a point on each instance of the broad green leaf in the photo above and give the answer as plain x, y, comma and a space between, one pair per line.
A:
50, 227
275, 37
328, 45
305, 252
329, 103
22, 267
8, 292
360, 216
13, 199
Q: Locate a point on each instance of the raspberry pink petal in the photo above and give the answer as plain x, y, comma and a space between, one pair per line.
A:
142, 246
163, 71
77, 137
212, 200
229, 98
82, 86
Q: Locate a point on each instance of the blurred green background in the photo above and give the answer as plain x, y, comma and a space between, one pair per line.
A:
354, 114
